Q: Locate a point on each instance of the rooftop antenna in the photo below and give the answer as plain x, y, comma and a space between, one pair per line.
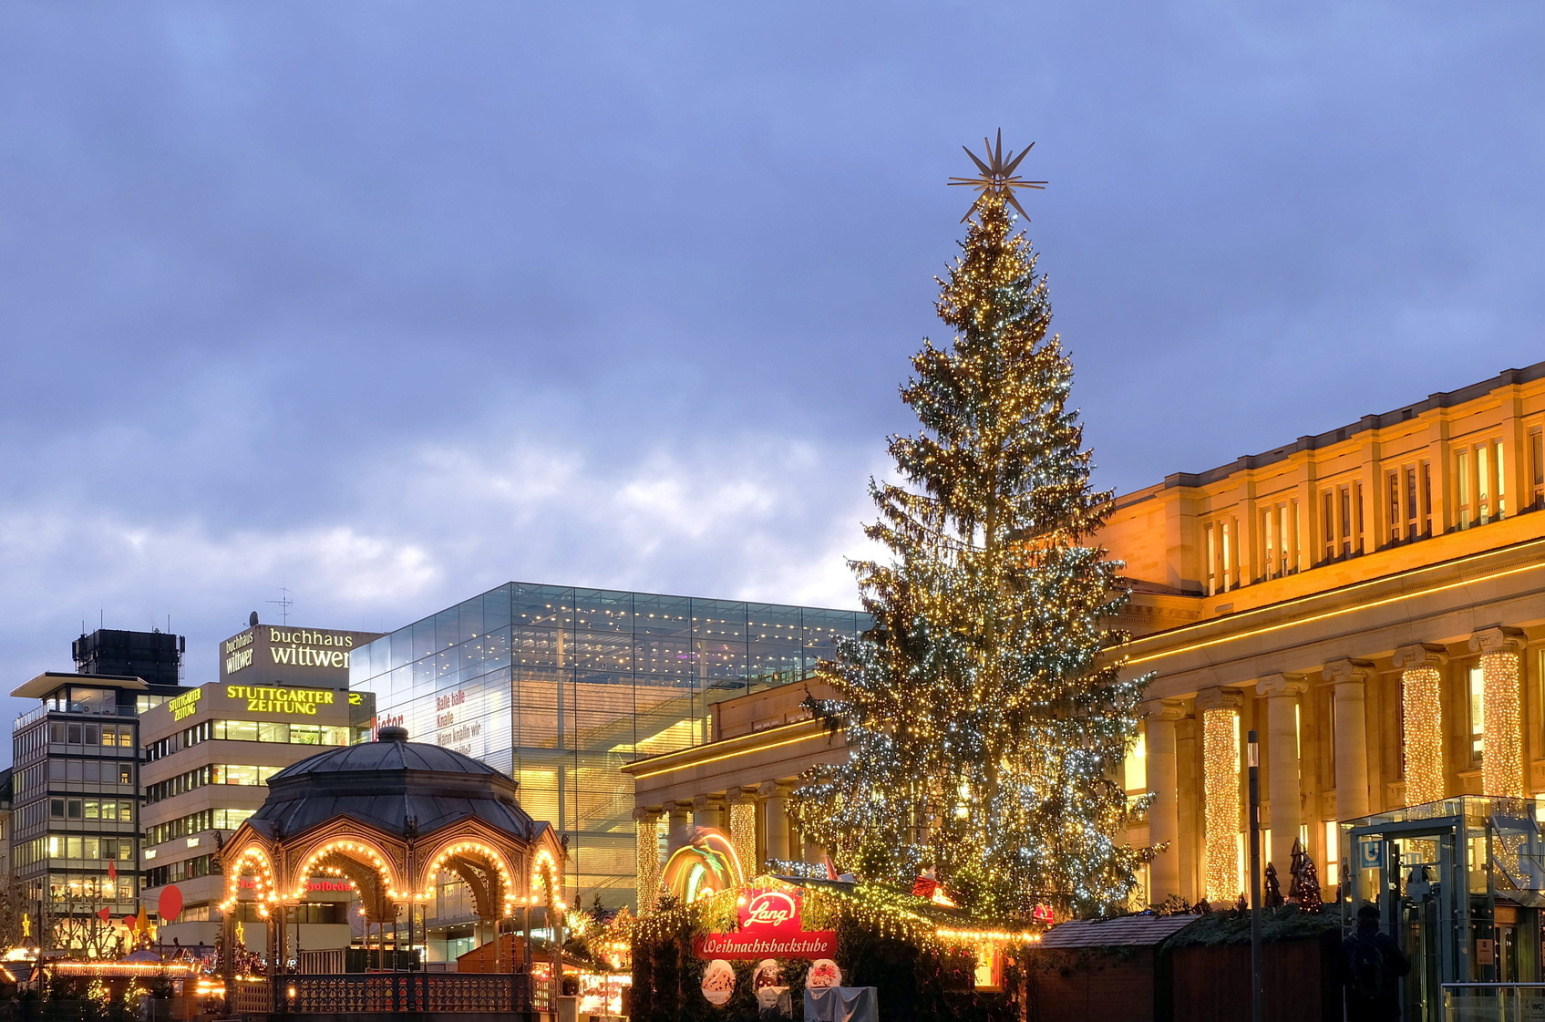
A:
285, 603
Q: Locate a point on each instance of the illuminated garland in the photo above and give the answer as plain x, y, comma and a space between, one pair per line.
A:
743, 833
546, 881
263, 882
1220, 756
889, 913
1502, 767
506, 899
647, 861
358, 851
1423, 738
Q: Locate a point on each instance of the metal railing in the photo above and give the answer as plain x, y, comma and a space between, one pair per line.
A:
1493, 1002
471, 993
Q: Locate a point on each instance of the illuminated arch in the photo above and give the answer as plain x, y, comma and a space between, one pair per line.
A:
545, 874
497, 899
349, 850
706, 865
267, 893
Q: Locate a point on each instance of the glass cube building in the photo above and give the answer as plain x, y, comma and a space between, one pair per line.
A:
560, 687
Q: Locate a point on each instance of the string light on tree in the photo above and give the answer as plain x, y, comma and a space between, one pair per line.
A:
985, 715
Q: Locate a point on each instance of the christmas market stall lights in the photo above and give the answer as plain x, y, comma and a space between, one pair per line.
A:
754, 946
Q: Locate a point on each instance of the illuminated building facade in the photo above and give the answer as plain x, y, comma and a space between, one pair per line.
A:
1368, 600
562, 687
74, 827
209, 752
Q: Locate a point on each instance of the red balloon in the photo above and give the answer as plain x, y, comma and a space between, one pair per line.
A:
170, 905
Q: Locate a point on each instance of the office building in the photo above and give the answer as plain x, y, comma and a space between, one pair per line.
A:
283, 696
76, 784
561, 687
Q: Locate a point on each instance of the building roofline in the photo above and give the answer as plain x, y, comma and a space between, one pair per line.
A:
51, 681
1442, 399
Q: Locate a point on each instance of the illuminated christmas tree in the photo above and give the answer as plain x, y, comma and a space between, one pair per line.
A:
985, 715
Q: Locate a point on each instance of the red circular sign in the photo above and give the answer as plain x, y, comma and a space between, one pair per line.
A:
170, 905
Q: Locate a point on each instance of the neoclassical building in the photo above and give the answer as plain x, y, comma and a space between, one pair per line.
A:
1371, 600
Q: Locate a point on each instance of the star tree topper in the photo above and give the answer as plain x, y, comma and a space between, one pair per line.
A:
997, 176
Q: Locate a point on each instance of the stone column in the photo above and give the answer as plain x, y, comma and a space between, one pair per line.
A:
775, 819
1348, 677
1164, 810
742, 827
708, 811
1219, 709
646, 837
1282, 692
681, 815
1421, 739
1502, 765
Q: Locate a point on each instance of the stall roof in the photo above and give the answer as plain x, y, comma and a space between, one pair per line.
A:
1123, 931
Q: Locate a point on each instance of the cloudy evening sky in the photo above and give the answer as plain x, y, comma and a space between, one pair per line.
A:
389, 303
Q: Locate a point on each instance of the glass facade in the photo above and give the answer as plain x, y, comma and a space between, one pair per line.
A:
559, 687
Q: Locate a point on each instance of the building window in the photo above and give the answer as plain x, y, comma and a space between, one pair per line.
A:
1279, 539
1332, 853
1536, 470
1137, 766
1328, 525
1212, 559
1409, 503
1480, 484
1477, 678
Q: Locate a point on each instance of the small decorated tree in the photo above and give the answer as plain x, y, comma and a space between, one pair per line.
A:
1305, 889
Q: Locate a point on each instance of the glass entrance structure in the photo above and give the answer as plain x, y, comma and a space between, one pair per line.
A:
1460, 884
560, 687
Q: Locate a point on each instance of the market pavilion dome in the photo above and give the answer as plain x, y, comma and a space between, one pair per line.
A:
392, 784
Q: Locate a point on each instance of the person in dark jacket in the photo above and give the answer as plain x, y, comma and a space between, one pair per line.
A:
1370, 970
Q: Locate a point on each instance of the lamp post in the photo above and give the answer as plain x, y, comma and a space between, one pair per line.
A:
1257, 973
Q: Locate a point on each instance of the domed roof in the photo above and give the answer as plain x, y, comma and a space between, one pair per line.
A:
390, 783
390, 751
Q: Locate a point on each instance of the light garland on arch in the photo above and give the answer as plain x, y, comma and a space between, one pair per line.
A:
359, 851
1220, 755
508, 898
544, 870
264, 883
1422, 712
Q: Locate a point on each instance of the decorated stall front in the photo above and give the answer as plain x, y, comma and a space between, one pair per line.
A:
750, 950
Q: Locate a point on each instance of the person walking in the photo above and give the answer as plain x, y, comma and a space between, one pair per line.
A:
1370, 969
